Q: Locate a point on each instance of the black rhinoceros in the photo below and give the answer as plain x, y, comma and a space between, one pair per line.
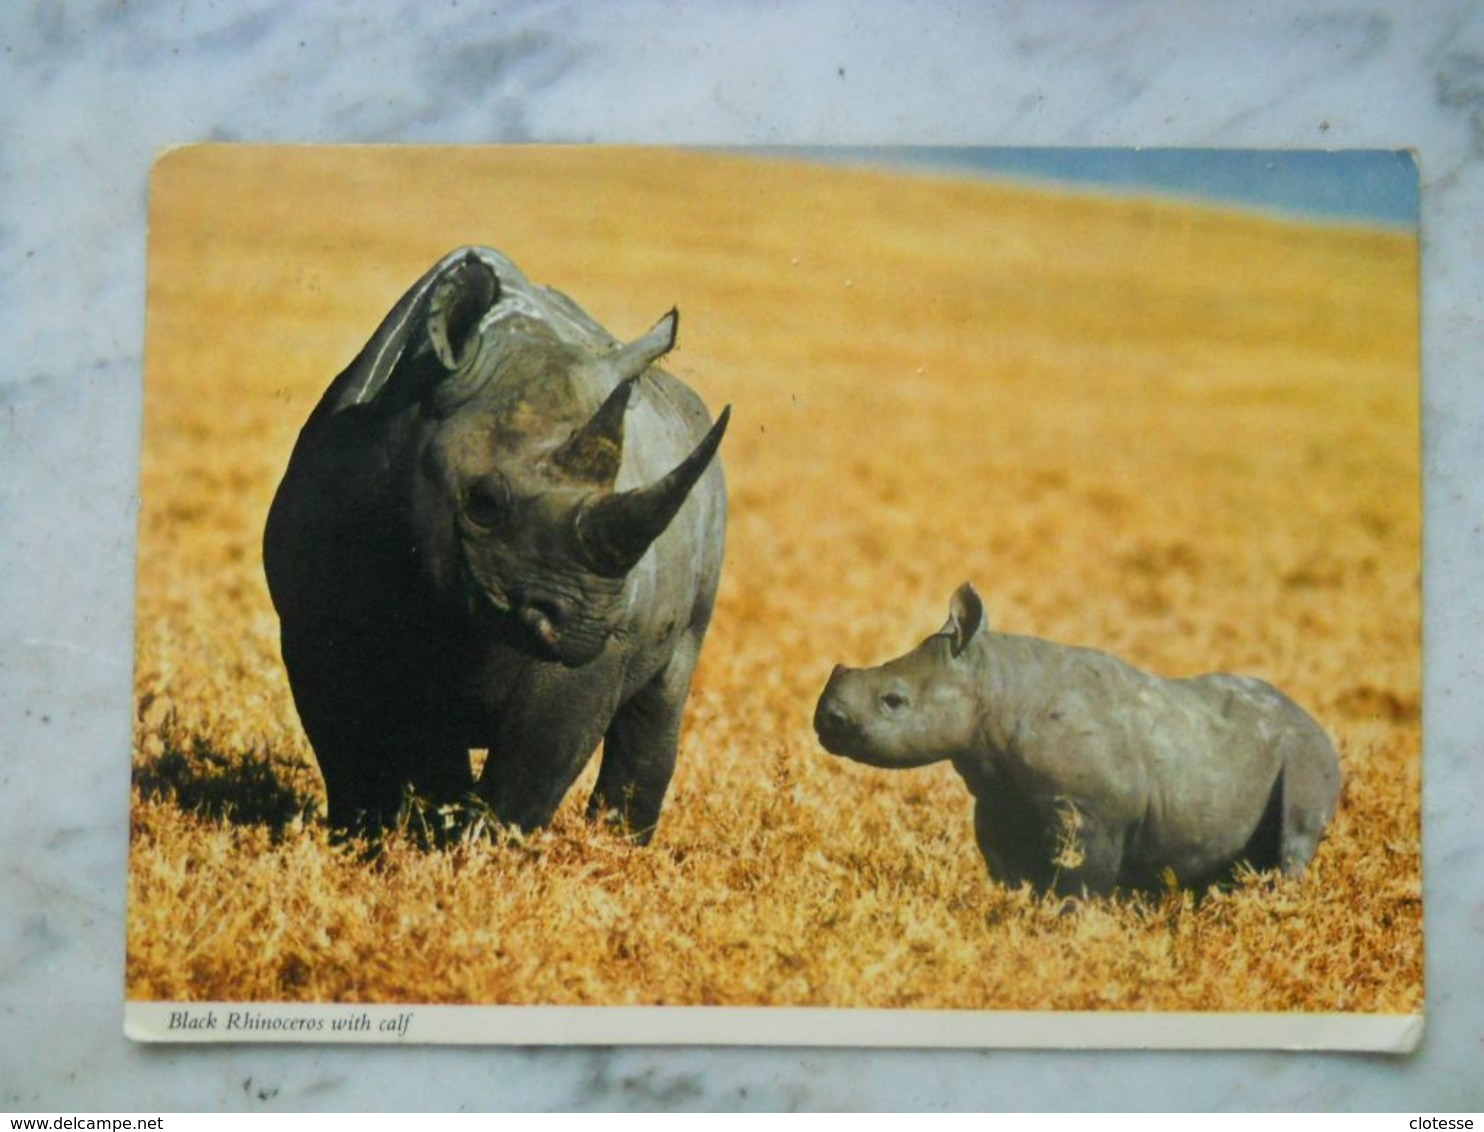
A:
500, 528
1087, 773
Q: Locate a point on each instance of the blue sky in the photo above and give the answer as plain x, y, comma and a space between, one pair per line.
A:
1367, 186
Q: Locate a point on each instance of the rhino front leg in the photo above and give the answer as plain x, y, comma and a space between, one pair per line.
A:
369, 745
368, 770
362, 792
534, 761
1088, 853
639, 751
1010, 849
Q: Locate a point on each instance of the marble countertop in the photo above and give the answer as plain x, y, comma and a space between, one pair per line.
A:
90, 93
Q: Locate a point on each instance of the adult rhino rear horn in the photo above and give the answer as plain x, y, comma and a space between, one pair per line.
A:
594, 452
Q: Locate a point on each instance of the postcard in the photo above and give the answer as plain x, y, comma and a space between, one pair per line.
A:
900, 597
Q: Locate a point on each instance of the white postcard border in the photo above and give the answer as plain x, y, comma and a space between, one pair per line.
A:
378, 1024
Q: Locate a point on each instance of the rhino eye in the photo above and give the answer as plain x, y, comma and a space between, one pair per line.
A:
486, 503
894, 701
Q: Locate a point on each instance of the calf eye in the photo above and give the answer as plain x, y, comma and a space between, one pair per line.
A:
894, 701
486, 503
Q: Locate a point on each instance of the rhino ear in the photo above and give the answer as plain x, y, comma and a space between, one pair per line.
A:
965, 618
445, 304
459, 299
633, 358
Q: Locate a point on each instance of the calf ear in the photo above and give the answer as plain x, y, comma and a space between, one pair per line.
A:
965, 618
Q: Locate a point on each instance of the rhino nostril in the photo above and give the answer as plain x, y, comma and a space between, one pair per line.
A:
836, 716
544, 616
542, 607
553, 610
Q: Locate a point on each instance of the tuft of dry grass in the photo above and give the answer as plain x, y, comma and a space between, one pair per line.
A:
1180, 434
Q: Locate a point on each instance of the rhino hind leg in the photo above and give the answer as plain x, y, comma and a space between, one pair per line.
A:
1262, 848
1298, 810
639, 751
1310, 788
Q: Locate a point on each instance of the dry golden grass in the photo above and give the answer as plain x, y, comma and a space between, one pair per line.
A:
1180, 434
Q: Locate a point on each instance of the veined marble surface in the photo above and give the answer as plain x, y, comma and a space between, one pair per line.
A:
89, 93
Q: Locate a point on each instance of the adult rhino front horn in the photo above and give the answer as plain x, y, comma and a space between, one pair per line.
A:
500, 528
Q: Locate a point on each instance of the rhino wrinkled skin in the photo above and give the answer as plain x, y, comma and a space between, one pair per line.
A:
500, 528
1088, 774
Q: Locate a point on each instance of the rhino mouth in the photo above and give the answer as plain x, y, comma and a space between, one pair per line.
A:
837, 732
842, 735
858, 752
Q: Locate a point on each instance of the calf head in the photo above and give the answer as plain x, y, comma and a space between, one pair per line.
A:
917, 709
510, 430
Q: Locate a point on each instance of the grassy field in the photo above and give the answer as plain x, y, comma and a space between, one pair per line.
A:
1183, 435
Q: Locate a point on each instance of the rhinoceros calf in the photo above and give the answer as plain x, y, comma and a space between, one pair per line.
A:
1087, 773
502, 529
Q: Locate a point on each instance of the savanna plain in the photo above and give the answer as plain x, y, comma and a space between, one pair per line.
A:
1182, 434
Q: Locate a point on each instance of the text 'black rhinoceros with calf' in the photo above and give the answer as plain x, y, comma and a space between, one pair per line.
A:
500, 528
1087, 773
